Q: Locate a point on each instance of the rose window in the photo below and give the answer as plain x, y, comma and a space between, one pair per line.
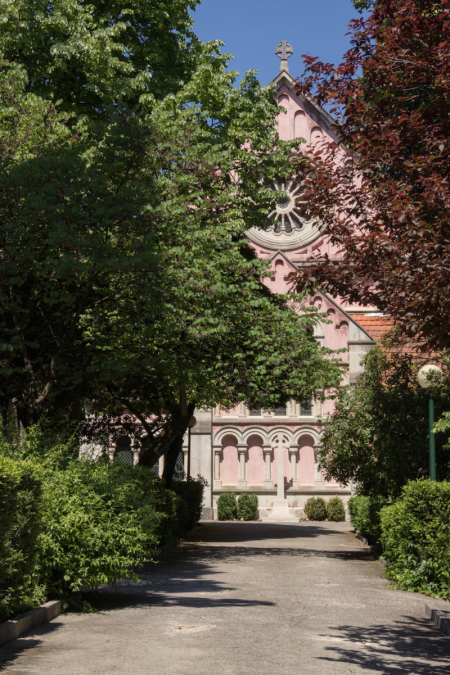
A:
289, 215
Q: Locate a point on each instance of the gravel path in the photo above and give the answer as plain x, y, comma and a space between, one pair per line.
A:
246, 599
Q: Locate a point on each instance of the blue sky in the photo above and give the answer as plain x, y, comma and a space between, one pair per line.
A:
251, 29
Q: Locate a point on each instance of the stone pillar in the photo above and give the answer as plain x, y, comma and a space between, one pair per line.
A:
242, 453
280, 511
185, 459
319, 477
217, 454
161, 465
267, 452
135, 450
293, 452
111, 450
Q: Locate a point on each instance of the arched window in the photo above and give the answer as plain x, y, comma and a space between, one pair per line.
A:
123, 453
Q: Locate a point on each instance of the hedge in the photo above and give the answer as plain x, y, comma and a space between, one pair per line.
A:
247, 506
335, 509
365, 517
416, 538
70, 523
227, 506
20, 494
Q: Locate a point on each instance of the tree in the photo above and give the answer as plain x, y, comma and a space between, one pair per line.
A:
383, 188
377, 436
219, 336
99, 58
127, 279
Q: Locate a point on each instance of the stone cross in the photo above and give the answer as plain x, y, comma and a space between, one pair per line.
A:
284, 51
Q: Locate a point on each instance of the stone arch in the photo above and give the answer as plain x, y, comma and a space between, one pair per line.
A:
273, 433
255, 431
306, 430
227, 431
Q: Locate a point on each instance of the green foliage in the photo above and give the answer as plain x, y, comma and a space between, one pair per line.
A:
365, 516
335, 509
416, 538
377, 435
227, 506
68, 523
189, 505
20, 496
247, 506
316, 508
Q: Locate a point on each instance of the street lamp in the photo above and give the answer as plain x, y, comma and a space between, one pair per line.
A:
425, 382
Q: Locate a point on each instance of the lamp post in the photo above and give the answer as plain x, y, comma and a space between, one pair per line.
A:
425, 383
191, 425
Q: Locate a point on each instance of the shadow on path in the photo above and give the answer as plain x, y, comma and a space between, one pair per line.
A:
29, 640
409, 647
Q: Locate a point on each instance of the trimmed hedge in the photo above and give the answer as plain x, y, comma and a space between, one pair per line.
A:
226, 506
316, 508
247, 506
335, 509
69, 523
416, 538
365, 517
20, 495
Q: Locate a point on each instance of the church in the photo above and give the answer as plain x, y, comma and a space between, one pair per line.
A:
274, 454
245, 450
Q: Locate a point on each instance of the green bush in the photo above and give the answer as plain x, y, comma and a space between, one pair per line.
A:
189, 505
226, 506
99, 520
365, 516
315, 508
336, 509
247, 506
20, 494
416, 538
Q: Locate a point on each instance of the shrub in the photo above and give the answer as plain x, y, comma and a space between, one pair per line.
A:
336, 509
20, 494
189, 507
416, 538
99, 520
315, 508
247, 506
226, 506
365, 516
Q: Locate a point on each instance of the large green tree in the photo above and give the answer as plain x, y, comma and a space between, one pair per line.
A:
126, 277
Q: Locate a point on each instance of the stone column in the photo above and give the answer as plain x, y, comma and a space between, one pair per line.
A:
161, 465
217, 453
185, 459
280, 473
293, 451
267, 452
319, 477
111, 449
135, 450
242, 454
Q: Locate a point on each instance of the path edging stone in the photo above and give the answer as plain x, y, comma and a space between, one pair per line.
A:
373, 549
13, 628
440, 618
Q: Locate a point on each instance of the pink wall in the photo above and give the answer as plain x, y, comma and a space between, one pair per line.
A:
306, 472
255, 462
229, 469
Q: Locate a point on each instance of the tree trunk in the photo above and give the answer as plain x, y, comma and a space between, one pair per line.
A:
171, 459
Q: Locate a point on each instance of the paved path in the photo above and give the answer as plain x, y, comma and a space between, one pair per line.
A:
246, 599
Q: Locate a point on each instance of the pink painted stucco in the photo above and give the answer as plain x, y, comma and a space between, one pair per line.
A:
255, 461
306, 472
230, 463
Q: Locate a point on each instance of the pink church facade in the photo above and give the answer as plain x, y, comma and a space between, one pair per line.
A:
238, 450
